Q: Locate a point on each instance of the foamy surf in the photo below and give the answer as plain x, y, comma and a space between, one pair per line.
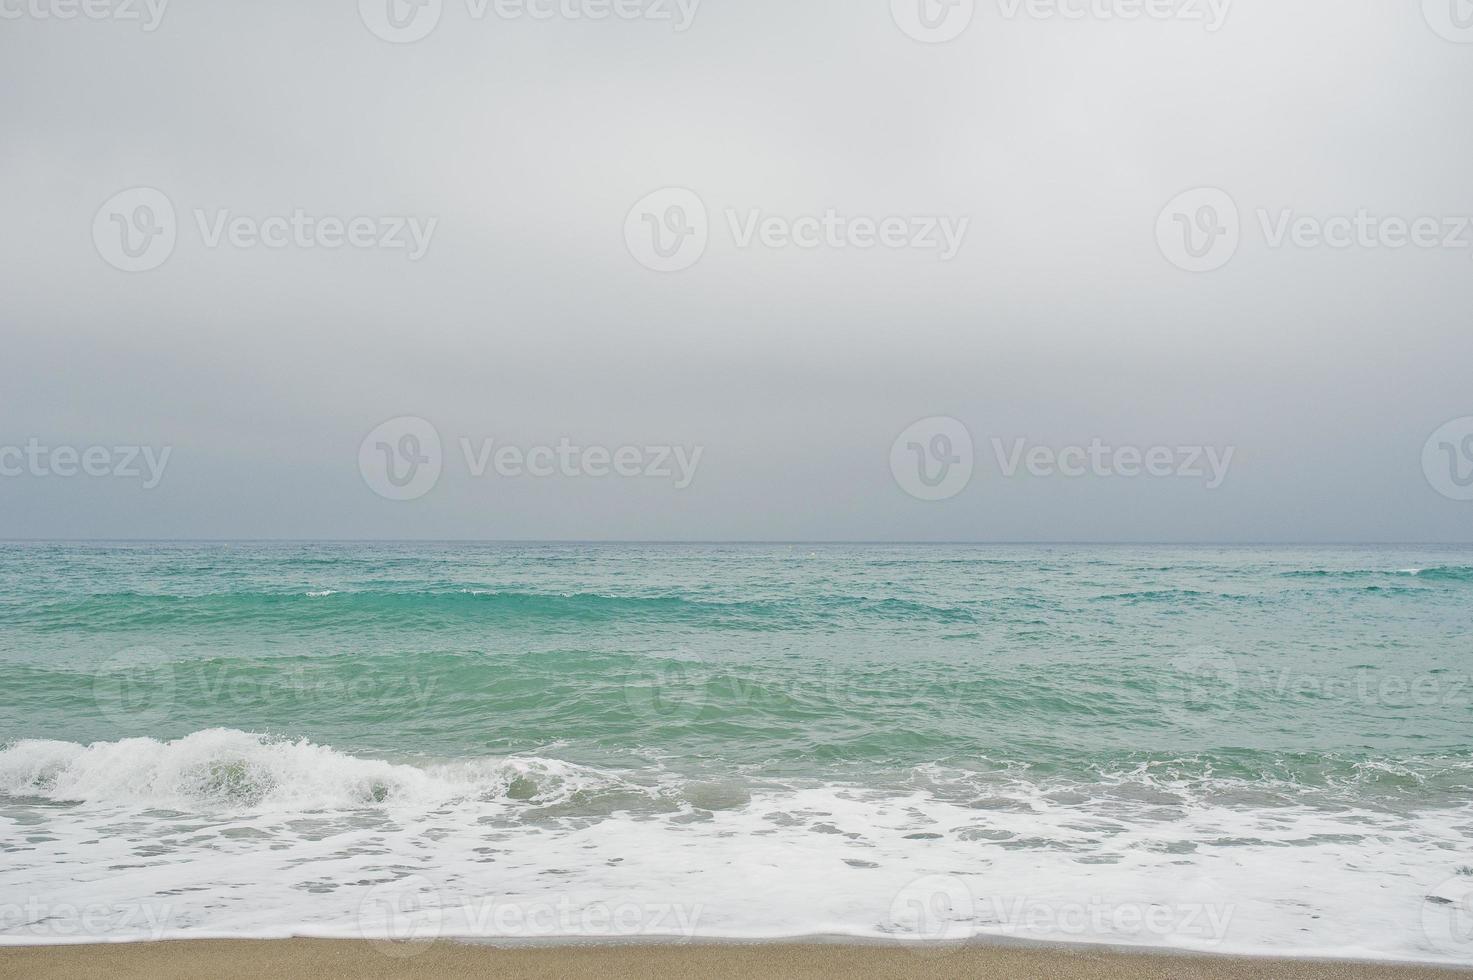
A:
224, 769
1236, 750
228, 833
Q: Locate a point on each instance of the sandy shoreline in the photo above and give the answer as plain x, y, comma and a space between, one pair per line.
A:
229, 959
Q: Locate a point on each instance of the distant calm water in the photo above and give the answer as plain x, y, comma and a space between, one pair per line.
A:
1270, 746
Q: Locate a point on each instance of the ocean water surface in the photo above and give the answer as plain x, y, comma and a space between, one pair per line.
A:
1240, 749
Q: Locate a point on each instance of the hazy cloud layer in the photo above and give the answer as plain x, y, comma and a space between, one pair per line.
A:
494, 283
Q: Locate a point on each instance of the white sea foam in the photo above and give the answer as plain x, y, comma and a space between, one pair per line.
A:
225, 768
229, 833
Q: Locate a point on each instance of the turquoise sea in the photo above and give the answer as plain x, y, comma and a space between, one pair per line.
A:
1247, 749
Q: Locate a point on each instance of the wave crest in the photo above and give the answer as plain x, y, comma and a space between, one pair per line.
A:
227, 768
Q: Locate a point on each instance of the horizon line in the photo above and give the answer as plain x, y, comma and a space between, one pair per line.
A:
751, 541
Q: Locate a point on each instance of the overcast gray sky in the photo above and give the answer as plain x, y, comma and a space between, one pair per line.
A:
1058, 146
